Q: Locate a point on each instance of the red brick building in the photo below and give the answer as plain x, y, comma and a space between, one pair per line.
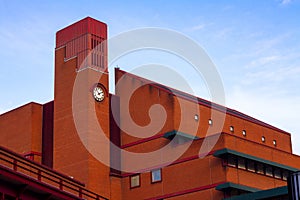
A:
47, 154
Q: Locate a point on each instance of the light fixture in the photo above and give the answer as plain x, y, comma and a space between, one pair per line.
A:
196, 117
244, 132
210, 121
231, 128
263, 139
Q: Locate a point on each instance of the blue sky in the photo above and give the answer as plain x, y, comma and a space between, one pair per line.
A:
255, 46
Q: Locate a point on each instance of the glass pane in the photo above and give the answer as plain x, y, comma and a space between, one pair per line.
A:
259, 168
250, 166
285, 174
231, 161
135, 181
156, 175
241, 163
269, 171
277, 173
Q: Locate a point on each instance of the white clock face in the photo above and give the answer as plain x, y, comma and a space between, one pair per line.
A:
98, 94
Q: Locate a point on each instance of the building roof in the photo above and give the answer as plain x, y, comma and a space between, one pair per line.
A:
203, 102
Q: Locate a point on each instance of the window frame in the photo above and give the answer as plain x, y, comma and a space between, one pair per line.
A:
151, 177
253, 163
130, 178
234, 159
267, 172
244, 167
259, 170
277, 175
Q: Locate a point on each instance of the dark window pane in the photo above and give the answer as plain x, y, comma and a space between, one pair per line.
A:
269, 170
241, 163
231, 161
259, 168
285, 174
250, 166
277, 173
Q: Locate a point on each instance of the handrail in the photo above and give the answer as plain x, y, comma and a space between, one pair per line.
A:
21, 157
19, 164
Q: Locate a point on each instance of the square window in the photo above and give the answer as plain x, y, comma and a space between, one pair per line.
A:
156, 176
135, 181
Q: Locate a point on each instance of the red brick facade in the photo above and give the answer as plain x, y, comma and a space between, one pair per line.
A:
50, 130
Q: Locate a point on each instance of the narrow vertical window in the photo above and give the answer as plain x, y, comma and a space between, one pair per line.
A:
231, 161
285, 175
241, 163
269, 170
277, 173
250, 166
259, 168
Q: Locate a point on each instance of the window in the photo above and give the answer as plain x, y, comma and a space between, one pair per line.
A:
250, 166
196, 117
241, 163
275, 143
156, 176
263, 139
259, 168
135, 181
274, 171
231, 128
269, 170
277, 173
231, 161
285, 175
210, 122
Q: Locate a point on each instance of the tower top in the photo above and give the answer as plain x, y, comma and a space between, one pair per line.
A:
82, 27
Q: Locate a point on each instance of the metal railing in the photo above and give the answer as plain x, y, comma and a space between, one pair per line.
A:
44, 174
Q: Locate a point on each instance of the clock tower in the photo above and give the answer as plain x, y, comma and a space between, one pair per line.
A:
81, 104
